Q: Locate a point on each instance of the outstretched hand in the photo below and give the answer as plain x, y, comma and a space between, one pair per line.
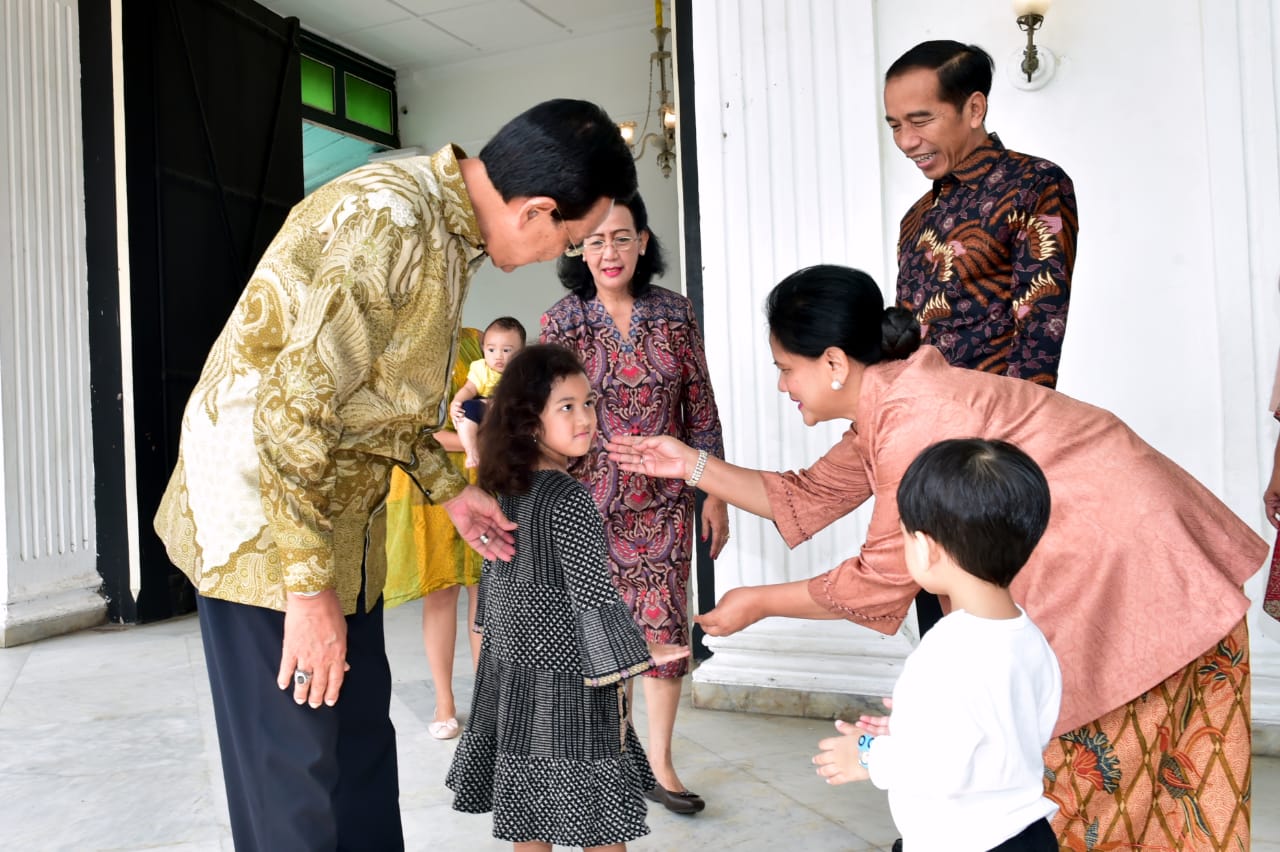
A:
736, 610
656, 455
663, 654
837, 758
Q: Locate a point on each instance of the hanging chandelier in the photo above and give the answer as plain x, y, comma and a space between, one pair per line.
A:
664, 139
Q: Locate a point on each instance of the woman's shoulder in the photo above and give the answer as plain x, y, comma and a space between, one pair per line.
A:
923, 373
567, 306
926, 373
662, 296
661, 303
567, 319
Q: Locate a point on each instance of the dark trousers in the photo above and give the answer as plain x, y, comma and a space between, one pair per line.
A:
1037, 837
297, 778
928, 611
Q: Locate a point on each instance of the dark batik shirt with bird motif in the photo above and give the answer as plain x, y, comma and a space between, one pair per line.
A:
985, 261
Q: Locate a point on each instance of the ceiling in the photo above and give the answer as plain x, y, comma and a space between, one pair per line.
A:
412, 34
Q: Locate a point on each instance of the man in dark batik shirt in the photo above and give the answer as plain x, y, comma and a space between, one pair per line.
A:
985, 257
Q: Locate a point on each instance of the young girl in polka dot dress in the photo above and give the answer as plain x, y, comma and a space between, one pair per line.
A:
549, 747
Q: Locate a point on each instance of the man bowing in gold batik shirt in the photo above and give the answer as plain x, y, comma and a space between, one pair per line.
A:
332, 370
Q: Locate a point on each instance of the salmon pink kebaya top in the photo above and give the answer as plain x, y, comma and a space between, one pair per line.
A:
1139, 571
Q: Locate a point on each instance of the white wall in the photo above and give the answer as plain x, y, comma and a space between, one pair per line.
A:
467, 102
1165, 115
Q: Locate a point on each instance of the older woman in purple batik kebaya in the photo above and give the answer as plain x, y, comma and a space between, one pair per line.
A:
643, 353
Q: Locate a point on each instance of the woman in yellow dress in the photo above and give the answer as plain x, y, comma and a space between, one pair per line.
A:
426, 559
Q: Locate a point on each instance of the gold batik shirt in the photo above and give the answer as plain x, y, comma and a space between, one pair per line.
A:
333, 368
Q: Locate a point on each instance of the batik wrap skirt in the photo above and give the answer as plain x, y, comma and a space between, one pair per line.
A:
1170, 770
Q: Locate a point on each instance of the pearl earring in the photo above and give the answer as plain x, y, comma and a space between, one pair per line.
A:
836, 384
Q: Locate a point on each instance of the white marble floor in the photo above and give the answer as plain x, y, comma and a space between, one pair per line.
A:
107, 743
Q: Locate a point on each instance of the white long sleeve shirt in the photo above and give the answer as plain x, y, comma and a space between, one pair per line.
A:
972, 712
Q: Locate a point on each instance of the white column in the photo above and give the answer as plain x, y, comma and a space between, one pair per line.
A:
789, 175
1242, 105
48, 578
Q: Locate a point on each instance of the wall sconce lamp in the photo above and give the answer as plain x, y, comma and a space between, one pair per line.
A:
664, 139
1038, 63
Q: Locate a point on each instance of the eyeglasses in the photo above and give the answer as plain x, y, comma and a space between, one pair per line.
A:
572, 250
621, 244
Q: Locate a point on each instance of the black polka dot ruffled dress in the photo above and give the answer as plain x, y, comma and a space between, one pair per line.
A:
549, 746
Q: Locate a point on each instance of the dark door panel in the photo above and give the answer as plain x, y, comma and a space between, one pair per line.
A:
214, 163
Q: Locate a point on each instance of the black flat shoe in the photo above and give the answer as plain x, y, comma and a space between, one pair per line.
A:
683, 802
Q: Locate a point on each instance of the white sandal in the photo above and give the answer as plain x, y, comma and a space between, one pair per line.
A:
446, 730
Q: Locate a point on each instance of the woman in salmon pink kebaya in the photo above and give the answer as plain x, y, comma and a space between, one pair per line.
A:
643, 354
1136, 582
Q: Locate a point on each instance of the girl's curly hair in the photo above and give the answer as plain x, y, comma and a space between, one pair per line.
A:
508, 444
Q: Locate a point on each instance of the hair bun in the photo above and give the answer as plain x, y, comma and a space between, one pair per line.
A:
900, 334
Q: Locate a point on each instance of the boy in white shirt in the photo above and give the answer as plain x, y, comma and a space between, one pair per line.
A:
503, 338
977, 701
